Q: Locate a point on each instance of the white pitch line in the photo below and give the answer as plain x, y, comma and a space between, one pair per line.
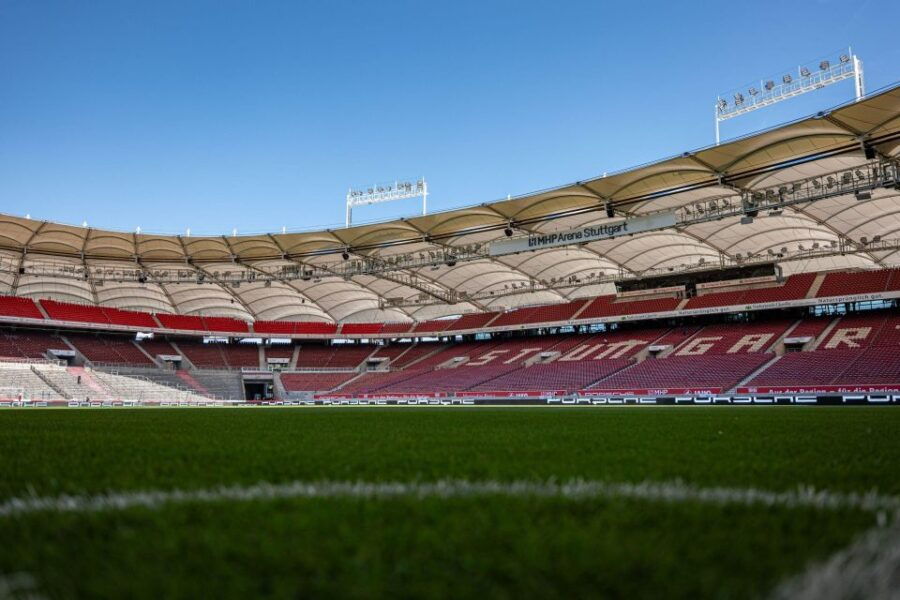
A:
665, 491
868, 568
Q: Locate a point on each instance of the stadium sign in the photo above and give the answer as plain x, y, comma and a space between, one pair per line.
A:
583, 235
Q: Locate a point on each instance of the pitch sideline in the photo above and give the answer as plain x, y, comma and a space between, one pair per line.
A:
665, 491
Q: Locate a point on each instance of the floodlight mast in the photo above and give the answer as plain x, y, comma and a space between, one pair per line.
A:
387, 192
808, 78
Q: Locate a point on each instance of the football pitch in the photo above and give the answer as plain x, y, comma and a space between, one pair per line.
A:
720, 502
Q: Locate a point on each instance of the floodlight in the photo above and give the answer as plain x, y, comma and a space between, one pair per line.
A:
844, 59
738, 99
787, 78
753, 91
804, 72
824, 65
769, 85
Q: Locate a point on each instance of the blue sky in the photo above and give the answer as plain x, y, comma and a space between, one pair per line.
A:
258, 115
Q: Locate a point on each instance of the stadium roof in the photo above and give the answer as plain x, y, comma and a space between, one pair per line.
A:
825, 143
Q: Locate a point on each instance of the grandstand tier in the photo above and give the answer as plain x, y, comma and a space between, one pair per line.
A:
796, 290
767, 351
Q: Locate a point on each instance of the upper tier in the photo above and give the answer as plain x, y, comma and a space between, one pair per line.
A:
798, 290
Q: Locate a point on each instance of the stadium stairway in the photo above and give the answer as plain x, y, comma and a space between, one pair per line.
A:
79, 357
42, 374
746, 380
145, 353
816, 284
814, 345
424, 356
191, 382
349, 381
88, 380
778, 345
42, 310
185, 359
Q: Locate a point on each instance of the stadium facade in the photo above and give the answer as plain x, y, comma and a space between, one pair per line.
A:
760, 270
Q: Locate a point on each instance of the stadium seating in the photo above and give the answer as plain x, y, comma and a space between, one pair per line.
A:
361, 328
473, 321
448, 380
336, 356
434, 326
17, 306
314, 382
241, 355
862, 330
227, 385
189, 322
413, 356
65, 311
374, 381
205, 356
23, 380
131, 318
720, 371
607, 306
812, 328
392, 352
555, 312
567, 376
280, 351
731, 338
155, 347
397, 328
806, 368
794, 288
29, 344
225, 324
514, 317
295, 327
733, 298
862, 282
108, 349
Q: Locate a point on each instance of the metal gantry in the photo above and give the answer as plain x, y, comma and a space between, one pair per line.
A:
807, 78
856, 183
387, 192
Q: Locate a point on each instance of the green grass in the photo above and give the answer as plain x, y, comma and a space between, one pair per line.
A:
496, 547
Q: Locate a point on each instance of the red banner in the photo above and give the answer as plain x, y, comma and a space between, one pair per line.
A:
820, 389
653, 392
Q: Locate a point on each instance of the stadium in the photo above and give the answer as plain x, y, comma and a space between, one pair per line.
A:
674, 380
756, 271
